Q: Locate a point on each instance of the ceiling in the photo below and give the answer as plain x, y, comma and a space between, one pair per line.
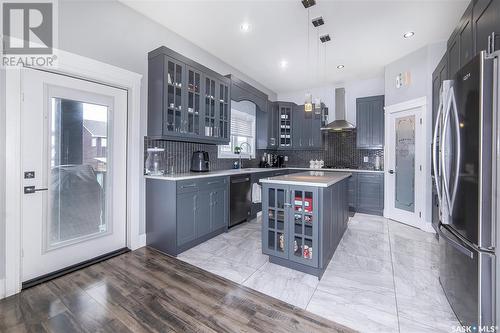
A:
366, 35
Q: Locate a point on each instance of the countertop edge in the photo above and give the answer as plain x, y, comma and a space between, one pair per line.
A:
231, 172
303, 183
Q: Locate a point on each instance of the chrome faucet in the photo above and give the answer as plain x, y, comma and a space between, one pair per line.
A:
240, 150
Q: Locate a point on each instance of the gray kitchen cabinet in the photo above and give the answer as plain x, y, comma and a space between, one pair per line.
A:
303, 225
256, 176
352, 191
460, 44
306, 129
186, 229
198, 213
291, 128
275, 224
273, 124
438, 76
486, 25
370, 122
316, 134
365, 193
300, 131
370, 193
219, 207
285, 131
193, 116
186, 101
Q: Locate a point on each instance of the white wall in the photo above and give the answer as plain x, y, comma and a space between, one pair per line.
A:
113, 33
2, 177
353, 89
420, 63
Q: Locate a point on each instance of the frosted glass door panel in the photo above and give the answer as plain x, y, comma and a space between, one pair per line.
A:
405, 163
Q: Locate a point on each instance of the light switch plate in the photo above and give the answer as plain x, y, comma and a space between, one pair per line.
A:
365, 159
286, 158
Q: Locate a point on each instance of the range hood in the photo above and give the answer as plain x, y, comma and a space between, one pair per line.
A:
339, 124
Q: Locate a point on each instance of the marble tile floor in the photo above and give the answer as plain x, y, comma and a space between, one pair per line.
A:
382, 278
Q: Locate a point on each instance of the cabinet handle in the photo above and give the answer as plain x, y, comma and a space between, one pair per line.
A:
187, 186
489, 45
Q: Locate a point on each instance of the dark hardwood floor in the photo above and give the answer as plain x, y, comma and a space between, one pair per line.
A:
146, 291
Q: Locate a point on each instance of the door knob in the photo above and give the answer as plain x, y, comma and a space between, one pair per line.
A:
391, 172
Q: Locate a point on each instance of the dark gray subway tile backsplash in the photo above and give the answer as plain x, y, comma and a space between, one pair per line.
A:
339, 150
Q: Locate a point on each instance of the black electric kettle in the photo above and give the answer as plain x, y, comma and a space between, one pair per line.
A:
200, 162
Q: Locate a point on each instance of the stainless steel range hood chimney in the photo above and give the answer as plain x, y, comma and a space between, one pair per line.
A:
339, 124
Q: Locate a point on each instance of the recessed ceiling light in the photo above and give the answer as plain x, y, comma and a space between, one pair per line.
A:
283, 64
245, 27
340, 66
409, 34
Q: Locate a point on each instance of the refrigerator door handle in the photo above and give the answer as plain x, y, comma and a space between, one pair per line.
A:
453, 103
456, 244
443, 155
435, 149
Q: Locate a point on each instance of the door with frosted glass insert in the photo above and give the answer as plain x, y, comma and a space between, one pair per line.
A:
404, 166
74, 171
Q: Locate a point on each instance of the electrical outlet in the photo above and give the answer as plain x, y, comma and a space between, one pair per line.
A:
286, 158
365, 159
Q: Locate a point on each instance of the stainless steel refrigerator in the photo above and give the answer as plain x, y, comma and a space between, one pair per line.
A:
465, 153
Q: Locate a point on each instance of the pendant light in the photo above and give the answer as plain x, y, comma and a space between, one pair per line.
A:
308, 106
317, 100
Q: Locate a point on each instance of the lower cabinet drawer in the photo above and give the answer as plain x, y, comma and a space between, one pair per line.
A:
186, 186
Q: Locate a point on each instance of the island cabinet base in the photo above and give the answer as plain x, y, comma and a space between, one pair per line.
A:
183, 214
302, 225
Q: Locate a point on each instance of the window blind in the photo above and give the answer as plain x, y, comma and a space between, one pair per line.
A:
241, 125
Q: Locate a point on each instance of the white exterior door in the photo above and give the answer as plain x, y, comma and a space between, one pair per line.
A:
405, 180
73, 152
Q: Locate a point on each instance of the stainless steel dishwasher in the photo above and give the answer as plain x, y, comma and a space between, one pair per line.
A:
240, 199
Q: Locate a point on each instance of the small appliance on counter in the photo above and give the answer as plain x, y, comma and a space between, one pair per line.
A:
200, 161
263, 161
155, 162
280, 161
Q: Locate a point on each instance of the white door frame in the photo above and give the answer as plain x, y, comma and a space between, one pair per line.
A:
422, 162
87, 69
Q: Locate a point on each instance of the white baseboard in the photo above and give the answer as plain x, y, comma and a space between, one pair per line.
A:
2, 288
142, 240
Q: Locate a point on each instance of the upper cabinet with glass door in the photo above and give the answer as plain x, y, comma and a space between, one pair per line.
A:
186, 101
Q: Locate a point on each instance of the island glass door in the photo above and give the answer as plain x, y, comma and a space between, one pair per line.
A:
304, 225
275, 231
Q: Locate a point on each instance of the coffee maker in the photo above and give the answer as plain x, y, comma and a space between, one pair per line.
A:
280, 161
200, 162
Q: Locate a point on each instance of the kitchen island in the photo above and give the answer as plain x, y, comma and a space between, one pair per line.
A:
304, 218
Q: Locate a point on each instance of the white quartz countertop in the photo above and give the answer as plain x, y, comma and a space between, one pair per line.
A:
233, 172
309, 178
218, 173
